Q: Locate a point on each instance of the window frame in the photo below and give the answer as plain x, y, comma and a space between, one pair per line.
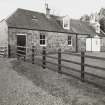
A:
43, 39
66, 22
69, 40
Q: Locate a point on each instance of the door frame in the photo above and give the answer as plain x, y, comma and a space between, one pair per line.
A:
22, 34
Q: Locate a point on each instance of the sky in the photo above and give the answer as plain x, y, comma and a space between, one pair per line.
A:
73, 8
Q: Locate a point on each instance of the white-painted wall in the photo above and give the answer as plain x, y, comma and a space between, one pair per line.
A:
88, 44
93, 44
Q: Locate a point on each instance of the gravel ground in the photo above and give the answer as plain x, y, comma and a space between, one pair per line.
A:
22, 83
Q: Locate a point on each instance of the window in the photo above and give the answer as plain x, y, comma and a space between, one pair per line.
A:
69, 40
42, 39
66, 22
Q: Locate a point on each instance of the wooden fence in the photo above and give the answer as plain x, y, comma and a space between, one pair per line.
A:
59, 65
3, 51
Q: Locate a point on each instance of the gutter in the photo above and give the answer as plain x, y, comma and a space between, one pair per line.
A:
51, 31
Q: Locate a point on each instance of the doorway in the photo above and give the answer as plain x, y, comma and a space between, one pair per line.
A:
21, 43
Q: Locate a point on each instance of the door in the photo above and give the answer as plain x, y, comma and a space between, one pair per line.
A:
95, 44
89, 44
21, 44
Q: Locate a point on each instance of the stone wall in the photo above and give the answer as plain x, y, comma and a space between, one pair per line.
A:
60, 40
53, 41
81, 42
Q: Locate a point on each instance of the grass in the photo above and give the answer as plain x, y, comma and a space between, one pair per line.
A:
69, 89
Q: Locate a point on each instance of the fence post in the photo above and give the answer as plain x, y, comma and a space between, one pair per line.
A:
24, 58
59, 60
82, 65
25, 53
44, 58
16, 53
33, 51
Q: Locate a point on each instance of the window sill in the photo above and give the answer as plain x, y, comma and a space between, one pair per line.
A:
43, 45
70, 45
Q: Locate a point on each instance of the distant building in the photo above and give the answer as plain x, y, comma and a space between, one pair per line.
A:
27, 28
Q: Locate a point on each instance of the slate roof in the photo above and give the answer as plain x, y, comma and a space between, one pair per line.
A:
82, 27
24, 19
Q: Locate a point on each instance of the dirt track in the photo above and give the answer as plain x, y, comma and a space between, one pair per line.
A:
22, 83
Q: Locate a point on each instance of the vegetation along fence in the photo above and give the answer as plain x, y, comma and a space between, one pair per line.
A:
60, 66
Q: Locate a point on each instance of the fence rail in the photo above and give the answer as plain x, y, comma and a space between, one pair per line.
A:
94, 57
45, 61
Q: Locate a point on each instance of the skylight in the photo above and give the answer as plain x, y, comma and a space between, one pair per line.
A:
34, 18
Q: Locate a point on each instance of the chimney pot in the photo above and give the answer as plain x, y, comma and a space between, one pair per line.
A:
47, 11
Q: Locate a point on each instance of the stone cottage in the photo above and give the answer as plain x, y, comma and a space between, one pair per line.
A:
27, 28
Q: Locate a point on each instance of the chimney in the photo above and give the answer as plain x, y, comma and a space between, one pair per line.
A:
47, 11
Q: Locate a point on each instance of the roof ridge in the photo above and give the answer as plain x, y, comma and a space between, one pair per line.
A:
30, 10
11, 14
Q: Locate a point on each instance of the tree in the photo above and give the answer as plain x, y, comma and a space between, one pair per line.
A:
102, 23
102, 19
85, 18
102, 12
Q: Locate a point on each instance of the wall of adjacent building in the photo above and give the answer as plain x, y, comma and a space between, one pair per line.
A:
81, 40
54, 41
3, 36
